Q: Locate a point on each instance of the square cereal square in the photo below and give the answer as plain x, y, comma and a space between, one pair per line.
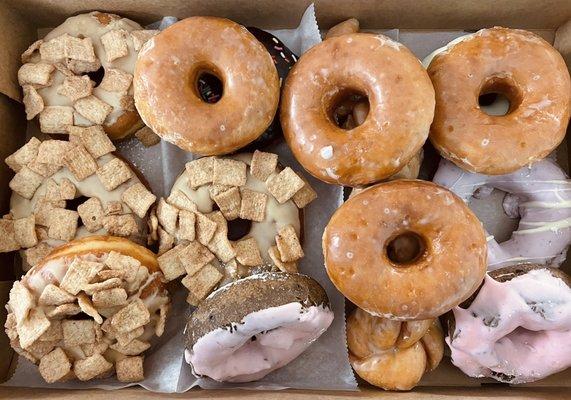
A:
81, 164
94, 139
138, 199
56, 119
130, 317
21, 301
170, 264
167, 215
26, 154
123, 225
116, 80
253, 206
200, 172
67, 189
25, 231
205, 228
91, 367
181, 201
53, 295
76, 87
147, 137
304, 196
54, 366
284, 185
186, 225
63, 224
33, 327
194, 256
140, 37
91, 213
80, 49
53, 50
8, 242
229, 172
78, 332
113, 174
133, 348
114, 208
263, 164
79, 274
45, 170
33, 102
115, 44
37, 74
203, 282
120, 262
288, 244
26, 182
52, 152
229, 203
274, 254
130, 369
166, 241
93, 109
110, 298
248, 252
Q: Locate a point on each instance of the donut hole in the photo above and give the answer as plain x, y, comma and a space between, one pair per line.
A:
499, 96
405, 249
497, 211
349, 109
73, 204
238, 228
97, 76
209, 87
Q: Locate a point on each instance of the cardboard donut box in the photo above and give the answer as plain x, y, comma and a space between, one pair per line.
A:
422, 26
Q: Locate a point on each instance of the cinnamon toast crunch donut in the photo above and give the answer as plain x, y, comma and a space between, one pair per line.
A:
366, 262
88, 310
166, 90
364, 66
80, 74
517, 64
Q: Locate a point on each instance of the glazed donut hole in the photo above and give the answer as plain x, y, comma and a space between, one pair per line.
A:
405, 249
207, 83
499, 96
348, 109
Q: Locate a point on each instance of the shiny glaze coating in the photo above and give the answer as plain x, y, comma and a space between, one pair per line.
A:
447, 272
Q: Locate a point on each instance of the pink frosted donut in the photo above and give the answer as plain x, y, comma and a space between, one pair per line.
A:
540, 195
518, 327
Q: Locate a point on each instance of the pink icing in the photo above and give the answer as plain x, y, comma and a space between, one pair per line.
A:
281, 334
516, 331
540, 195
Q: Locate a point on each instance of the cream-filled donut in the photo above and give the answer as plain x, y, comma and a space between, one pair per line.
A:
251, 327
540, 195
89, 309
80, 194
80, 74
517, 329
242, 213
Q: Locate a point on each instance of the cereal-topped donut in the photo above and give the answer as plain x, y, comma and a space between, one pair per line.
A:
226, 218
405, 260
539, 195
167, 94
80, 74
517, 64
517, 328
64, 190
353, 67
89, 310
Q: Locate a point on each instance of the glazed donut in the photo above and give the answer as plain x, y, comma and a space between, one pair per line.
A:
254, 230
540, 195
91, 305
390, 354
59, 72
253, 326
365, 260
358, 65
91, 196
517, 328
167, 97
521, 66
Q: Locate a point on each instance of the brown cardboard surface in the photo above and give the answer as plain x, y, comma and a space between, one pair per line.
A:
413, 16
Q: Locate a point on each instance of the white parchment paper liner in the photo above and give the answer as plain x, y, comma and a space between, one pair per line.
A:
323, 366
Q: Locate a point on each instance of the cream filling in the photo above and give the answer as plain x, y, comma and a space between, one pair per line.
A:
259, 344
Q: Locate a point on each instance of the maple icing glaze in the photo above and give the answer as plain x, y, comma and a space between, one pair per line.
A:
120, 122
515, 331
401, 108
166, 96
446, 272
540, 195
277, 215
515, 63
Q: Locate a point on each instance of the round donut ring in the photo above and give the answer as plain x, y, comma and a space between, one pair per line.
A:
448, 268
542, 193
166, 92
401, 100
521, 66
